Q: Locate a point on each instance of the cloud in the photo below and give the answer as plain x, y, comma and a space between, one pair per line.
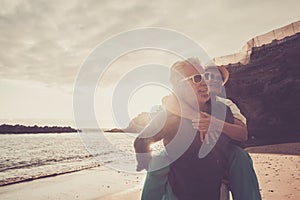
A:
47, 41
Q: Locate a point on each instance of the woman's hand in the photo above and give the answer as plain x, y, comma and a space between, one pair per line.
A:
205, 123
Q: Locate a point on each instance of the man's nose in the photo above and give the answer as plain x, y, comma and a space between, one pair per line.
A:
203, 85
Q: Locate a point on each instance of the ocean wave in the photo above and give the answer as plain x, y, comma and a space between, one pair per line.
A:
28, 157
14, 180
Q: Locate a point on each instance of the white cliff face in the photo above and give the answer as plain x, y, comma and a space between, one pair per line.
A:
243, 56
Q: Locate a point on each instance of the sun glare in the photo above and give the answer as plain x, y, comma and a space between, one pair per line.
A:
145, 99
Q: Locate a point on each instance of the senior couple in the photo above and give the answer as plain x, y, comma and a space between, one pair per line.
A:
195, 120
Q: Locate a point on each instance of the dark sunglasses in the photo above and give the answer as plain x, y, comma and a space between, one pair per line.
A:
207, 76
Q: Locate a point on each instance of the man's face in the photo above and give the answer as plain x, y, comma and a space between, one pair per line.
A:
191, 92
214, 82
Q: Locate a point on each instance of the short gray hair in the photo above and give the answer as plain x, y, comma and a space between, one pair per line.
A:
177, 68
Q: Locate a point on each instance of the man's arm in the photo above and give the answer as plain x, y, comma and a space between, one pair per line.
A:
149, 135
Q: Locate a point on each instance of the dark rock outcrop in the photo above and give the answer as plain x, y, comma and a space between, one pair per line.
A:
136, 124
267, 90
139, 122
115, 130
20, 129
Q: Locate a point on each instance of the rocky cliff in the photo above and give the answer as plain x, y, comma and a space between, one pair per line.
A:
267, 90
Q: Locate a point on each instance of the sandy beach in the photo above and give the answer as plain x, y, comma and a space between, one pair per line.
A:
277, 168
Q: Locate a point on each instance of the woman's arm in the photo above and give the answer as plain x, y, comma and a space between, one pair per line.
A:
234, 109
236, 131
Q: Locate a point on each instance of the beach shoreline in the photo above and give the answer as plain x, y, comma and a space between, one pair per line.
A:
277, 168
93, 183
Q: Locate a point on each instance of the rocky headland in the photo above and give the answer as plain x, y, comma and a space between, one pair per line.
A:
21, 129
136, 124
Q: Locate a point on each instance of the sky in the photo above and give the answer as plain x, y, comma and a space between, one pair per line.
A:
43, 45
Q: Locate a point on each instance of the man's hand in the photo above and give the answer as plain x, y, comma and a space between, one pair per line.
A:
143, 160
205, 122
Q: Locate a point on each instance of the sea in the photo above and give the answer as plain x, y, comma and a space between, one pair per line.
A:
27, 157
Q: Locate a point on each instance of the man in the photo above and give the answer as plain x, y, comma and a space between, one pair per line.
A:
189, 177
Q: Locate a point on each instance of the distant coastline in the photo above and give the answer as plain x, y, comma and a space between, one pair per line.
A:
22, 129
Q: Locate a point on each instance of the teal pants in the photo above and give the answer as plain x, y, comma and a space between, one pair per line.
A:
156, 184
242, 178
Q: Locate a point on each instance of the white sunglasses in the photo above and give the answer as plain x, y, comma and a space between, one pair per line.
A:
197, 78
